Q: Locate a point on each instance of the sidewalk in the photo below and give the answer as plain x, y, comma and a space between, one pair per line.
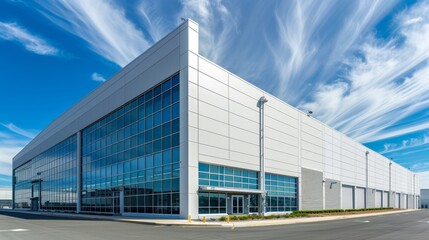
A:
197, 223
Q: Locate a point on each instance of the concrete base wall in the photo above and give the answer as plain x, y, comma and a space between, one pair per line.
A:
312, 189
332, 194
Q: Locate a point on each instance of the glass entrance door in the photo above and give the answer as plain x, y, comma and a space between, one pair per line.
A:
116, 202
237, 204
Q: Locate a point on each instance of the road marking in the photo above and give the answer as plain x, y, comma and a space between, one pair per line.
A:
365, 221
15, 230
423, 221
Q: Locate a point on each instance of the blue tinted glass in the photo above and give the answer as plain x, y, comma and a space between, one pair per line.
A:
166, 142
148, 95
203, 167
166, 114
157, 90
157, 104
175, 80
166, 99
157, 132
175, 111
176, 155
149, 161
157, 159
141, 163
175, 125
148, 136
166, 129
166, 157
175, 140
148, 122
157, 145
175, 94
166, 85
127, 167
157, 119
148, 108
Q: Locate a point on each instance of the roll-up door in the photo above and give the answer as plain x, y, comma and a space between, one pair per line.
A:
385, 199
360, 198
378, 199
397, 200
347, 197
404, 201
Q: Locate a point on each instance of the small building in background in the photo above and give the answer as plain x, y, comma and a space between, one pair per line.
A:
5, 198
424, 198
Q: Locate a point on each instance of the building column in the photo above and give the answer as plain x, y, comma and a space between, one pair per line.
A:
79, 172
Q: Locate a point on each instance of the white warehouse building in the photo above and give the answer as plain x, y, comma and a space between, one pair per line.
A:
173, 134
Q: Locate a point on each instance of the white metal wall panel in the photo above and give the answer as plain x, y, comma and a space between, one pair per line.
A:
378, 199
385, 199
347, 197
360, 198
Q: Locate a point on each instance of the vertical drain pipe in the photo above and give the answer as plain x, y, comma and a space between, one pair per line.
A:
390, 185
261, 103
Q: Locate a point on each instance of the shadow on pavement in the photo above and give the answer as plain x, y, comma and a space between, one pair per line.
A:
29, 216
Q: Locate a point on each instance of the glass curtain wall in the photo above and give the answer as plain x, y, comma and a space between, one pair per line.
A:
55, 173
135, 149
281, 190
281, 193
22, 180
56, 169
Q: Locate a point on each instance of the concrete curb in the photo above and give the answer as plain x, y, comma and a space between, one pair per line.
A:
238, 224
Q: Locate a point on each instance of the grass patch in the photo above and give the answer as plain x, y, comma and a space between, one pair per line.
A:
296, 214
339, 210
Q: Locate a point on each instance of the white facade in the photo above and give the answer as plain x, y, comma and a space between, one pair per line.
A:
220, 125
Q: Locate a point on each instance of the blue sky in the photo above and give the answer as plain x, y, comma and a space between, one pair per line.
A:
360, 66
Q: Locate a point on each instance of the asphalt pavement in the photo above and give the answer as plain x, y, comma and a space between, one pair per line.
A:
401, 226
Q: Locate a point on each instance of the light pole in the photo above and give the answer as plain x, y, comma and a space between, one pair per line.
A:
261, 104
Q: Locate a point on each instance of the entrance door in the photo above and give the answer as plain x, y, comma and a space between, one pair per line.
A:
35, 196
116, 202
237, 204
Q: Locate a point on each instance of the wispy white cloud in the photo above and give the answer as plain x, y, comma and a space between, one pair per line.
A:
384, 84
31, 42
313, 37
97, 77
216, 24
154, 23
12, 140
102, 24
424, 178
406, 144
20, 131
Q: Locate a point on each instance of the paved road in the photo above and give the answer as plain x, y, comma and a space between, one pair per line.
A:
401, 226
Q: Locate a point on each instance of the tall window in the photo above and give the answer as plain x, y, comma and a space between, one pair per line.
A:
55, 171
229, 177
281, 193
136, 148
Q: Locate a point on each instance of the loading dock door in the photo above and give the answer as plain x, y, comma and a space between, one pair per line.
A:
397, 200
347, 197
360, 198
404, 201
385, 199
378, 199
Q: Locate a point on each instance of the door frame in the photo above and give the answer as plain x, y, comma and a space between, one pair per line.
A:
237, 207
